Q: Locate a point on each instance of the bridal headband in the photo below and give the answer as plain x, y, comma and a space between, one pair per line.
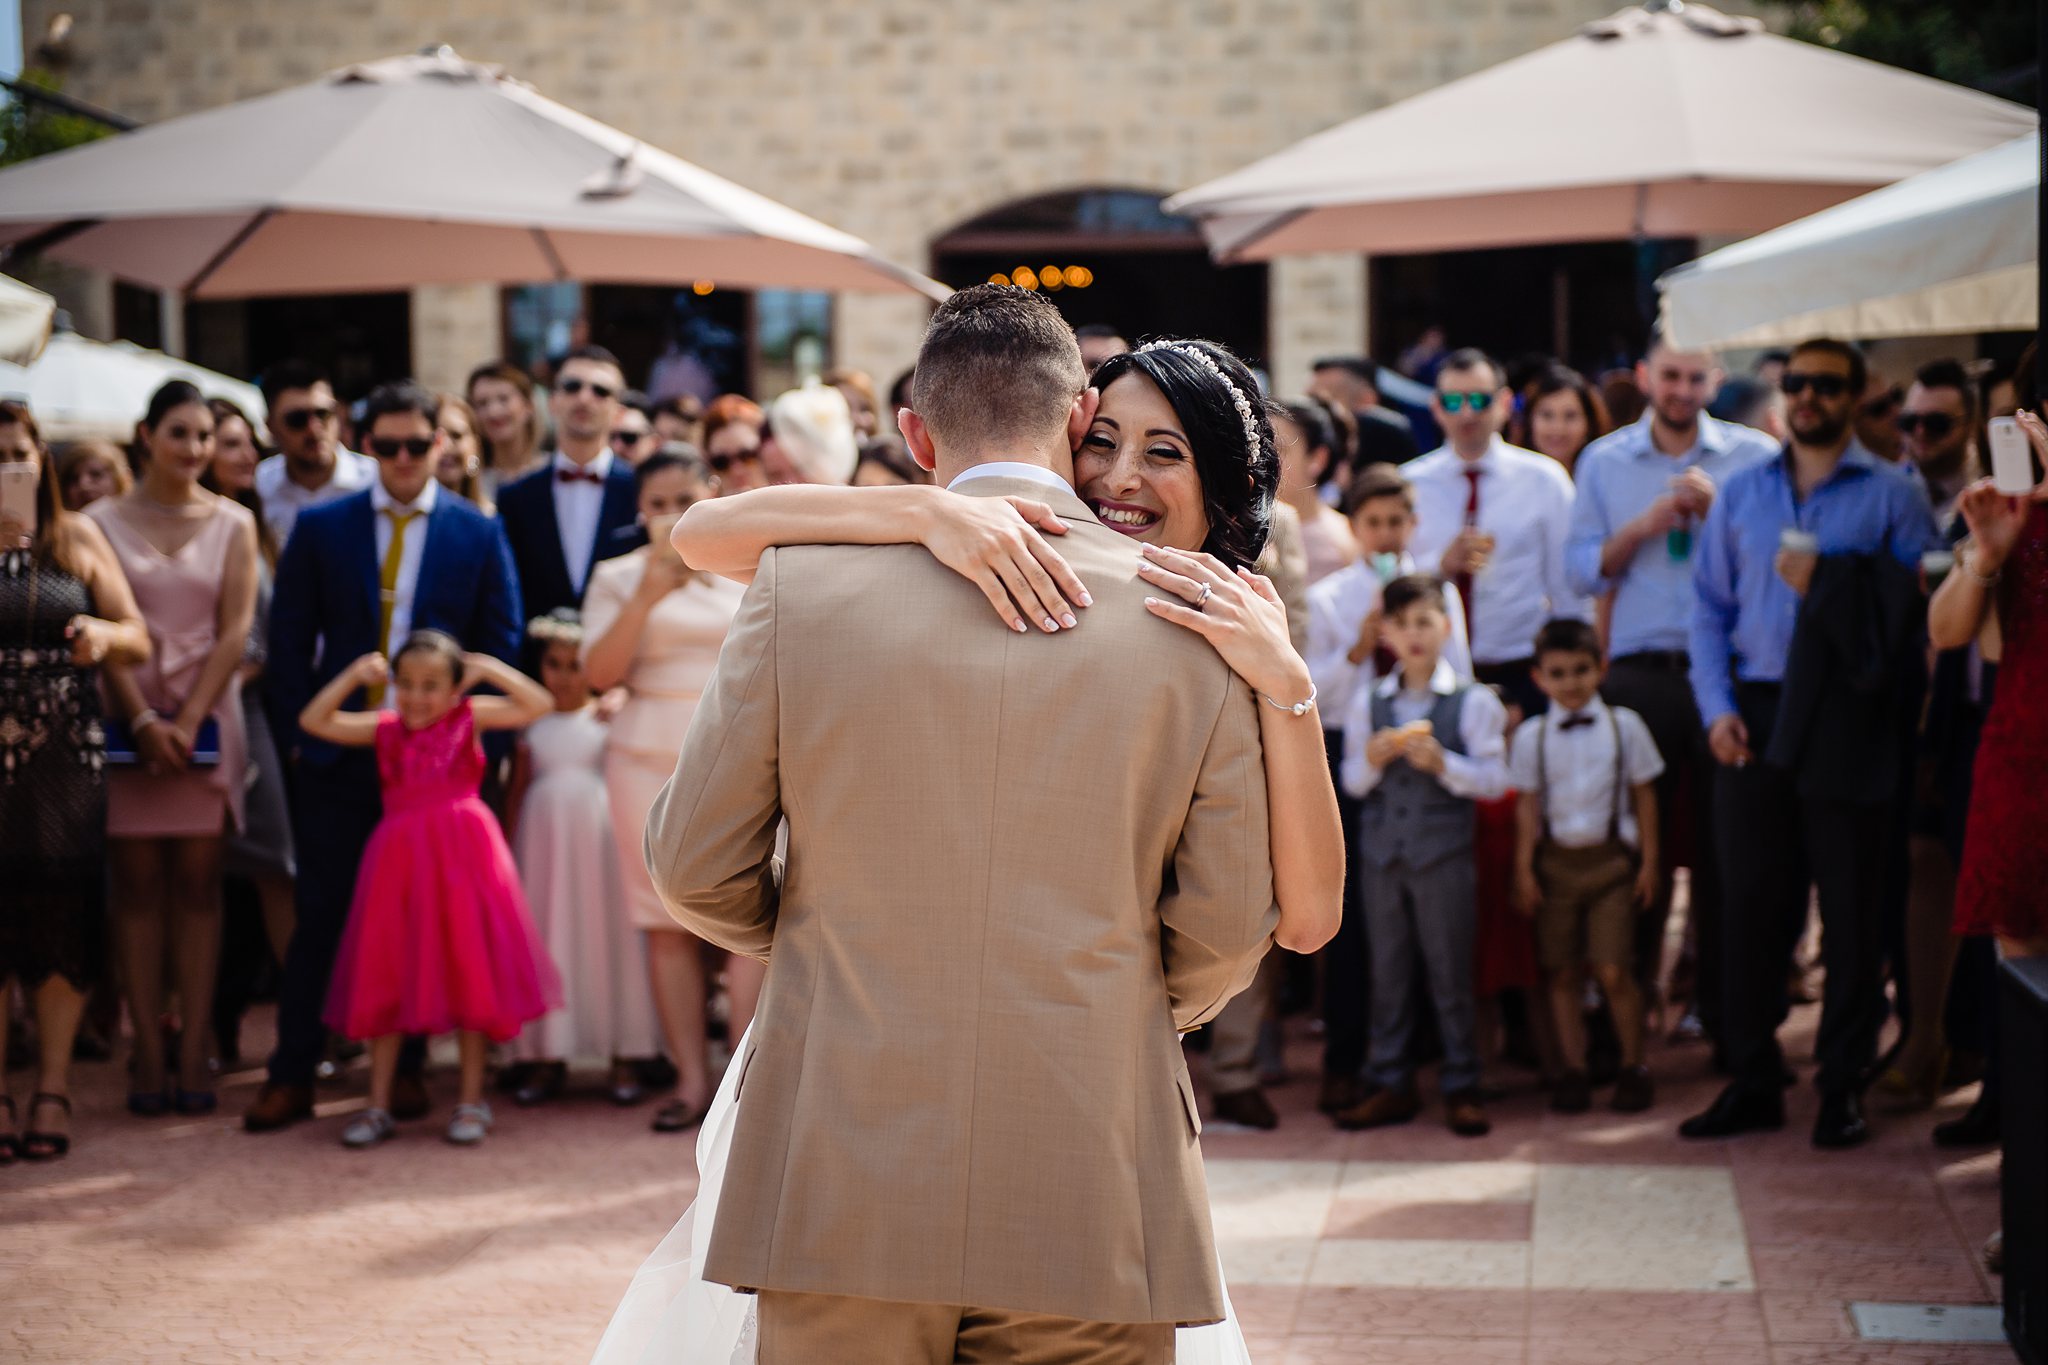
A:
1237, 396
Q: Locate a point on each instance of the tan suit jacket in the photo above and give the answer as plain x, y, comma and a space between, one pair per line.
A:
1018, 866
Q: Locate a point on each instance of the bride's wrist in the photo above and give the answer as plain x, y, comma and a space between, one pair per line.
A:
1287, 683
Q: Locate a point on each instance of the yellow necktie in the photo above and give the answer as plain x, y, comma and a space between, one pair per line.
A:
387, 584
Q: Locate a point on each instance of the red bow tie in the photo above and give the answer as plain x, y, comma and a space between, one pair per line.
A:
563, 475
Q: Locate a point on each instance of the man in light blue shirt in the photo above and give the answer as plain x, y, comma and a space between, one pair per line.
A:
1770, 526
1642, 493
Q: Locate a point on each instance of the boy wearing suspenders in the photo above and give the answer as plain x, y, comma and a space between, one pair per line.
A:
1586, 852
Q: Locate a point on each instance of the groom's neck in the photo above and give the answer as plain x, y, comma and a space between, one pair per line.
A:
1058, 459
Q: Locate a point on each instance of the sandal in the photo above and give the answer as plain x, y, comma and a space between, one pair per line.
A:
679, 1116
10, 1141
38, 1146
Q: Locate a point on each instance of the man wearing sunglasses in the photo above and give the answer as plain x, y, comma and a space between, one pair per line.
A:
1492, 518
578, 507
1811, 811
1938, 434
359, 574
310, 467
633, 435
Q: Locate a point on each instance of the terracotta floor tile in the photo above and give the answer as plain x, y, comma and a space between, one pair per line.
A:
1793, 1318
1625, 1315
1265, 1310
1655, 1349
1892, 1353
1307, 1350
1877, 1273
1464, 1222
1374, 1314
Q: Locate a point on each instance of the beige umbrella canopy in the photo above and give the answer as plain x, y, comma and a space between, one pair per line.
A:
414, 170
1673, 120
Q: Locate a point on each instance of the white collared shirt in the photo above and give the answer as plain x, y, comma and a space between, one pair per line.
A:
1011, 469
1337, 608
284, 499
1478, 774
1525, 504
383, 504
1580, 801
578, 508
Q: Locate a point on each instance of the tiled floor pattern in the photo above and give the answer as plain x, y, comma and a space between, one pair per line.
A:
1598, 1239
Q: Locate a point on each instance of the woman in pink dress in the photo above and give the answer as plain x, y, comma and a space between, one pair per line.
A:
438, 939
179, 771
654, 627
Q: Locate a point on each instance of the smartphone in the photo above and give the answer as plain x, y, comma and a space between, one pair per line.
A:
18, 494
2012, 465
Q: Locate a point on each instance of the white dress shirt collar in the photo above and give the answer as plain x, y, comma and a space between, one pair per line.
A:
1443, 681
381, 500
1011, 469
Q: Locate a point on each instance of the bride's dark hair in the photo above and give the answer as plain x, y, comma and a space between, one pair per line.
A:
1239, 476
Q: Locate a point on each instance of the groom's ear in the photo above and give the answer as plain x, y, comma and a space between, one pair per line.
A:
1082, 416
918, 437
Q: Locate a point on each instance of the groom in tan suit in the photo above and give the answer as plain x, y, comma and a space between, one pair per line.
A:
1019, 866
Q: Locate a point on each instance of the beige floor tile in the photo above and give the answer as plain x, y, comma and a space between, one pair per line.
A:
1439, 1182
1422, 1264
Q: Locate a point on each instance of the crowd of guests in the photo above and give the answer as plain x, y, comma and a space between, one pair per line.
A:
1570, 638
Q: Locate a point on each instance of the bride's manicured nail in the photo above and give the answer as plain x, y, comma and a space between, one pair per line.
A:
1019, 627
1051, 625
1086, 600
1068, 621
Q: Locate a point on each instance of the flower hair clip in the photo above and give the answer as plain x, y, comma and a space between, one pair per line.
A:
1237, 395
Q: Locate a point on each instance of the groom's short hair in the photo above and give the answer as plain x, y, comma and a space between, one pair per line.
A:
998, 364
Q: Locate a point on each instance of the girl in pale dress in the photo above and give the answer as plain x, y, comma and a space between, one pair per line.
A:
654, 627
560, 820
190, 556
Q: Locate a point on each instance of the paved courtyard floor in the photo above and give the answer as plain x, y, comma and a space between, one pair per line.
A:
1597, 1239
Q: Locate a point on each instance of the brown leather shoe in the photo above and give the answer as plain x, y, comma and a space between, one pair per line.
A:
1394, 1104
1466, 1115
1340, 1093
278, 1106
1248, 1108
409, 1098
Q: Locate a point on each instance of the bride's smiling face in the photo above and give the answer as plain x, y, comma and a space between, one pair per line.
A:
1136, 470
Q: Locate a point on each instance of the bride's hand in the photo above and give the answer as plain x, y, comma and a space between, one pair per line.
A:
995, 544
1243, 617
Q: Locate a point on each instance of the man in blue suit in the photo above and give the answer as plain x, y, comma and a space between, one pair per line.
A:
358, 574
579, 507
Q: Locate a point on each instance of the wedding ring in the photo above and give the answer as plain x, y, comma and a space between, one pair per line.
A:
1203, 600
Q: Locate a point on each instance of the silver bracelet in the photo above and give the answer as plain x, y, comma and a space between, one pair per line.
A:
1969, 564
142, 720
1299, 708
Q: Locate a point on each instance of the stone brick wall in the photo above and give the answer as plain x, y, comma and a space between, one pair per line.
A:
892, 119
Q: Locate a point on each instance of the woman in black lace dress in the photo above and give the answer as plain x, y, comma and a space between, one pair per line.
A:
65, 608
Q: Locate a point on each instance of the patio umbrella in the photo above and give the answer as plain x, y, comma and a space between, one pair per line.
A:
25, 315
81, 389
1673, 120
1950, 251
413, 170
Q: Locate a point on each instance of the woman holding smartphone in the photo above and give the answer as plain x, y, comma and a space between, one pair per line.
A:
190, 556
65, 610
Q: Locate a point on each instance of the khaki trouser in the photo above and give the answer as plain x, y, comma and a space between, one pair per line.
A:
810, 1329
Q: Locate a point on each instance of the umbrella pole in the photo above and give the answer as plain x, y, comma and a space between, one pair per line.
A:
171, 321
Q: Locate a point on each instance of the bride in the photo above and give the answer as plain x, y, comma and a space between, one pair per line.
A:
1180, 458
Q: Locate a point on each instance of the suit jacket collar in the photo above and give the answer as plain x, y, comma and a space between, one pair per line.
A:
1065, 503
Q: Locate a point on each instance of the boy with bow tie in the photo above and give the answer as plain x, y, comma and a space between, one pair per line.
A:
1586, 852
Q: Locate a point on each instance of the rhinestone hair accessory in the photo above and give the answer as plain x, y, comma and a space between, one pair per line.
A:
1237, 398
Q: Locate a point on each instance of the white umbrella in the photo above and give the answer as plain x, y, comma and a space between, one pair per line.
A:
25, 316
1673, 120
80, 389
413, 170
1954, 250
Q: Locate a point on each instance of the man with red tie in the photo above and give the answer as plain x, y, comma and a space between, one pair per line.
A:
1492, 519
578, 508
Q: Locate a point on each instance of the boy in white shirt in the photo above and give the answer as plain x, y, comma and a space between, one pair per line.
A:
1586, 852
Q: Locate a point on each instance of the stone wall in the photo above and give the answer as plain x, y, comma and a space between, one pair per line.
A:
892, 119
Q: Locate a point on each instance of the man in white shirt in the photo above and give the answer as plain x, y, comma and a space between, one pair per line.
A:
310, 466
1492, 518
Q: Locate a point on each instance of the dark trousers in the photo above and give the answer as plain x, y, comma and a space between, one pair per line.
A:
1347, 962
1515, 680
1776, 844
1658, 689
334, 811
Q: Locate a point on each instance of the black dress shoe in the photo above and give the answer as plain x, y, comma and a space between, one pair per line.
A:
1976, 1127
1841, 1122
544, 1082
1736, 1110
1247, 1109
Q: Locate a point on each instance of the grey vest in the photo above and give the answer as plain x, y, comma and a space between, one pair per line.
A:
1409, 817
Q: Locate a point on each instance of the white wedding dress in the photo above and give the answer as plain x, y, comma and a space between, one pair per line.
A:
672, 1315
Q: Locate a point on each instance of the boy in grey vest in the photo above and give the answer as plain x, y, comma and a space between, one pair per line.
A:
1586, 853
1420, 747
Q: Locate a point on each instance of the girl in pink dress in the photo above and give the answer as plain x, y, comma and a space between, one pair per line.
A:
439, 938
